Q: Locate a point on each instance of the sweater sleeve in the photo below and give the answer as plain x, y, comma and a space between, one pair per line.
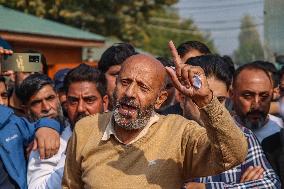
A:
50, 123
217, 147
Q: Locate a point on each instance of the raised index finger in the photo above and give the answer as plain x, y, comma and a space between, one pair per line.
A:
175, 55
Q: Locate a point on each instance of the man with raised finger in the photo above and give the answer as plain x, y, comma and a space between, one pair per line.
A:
133, 147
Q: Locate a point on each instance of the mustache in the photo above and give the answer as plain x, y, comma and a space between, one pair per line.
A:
256, 112
128, 102
47, 114
80, 116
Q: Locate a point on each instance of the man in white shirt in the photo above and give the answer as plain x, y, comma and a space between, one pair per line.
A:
86, 95
40, 100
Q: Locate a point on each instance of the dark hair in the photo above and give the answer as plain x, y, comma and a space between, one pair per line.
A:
214, 66
43, 60
5, 44
31, 85
84, 72
165, 61
250, 66
2, 80
187, 46
270, 67
229, 61
281, 73
115, 55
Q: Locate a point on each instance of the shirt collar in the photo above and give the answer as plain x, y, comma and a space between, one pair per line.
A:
110, 130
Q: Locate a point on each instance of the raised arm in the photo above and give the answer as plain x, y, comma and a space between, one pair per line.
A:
221, 145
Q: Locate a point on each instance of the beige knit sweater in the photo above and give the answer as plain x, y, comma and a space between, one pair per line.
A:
174, 149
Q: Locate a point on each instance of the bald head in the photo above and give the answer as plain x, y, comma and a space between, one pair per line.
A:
138, 91
148, 67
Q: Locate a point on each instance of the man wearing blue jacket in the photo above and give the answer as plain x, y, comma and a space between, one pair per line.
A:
15, 134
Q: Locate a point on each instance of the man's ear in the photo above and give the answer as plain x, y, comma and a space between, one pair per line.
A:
178, 96
161, 99
25, 108
276, 93
105, 103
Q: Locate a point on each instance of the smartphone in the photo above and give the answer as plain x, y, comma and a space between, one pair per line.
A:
22, 62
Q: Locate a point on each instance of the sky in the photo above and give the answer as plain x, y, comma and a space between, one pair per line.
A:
222, 19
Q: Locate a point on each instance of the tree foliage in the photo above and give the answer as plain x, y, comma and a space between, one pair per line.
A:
250, 47
166, 25
128, 20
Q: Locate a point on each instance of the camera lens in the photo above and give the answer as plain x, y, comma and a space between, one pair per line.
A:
34, 58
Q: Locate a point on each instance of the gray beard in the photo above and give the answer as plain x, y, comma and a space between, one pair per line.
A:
60, 118
143, 117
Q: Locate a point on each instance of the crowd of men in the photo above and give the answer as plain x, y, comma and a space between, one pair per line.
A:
195, 121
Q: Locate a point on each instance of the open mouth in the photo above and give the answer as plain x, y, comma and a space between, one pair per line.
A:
127, 109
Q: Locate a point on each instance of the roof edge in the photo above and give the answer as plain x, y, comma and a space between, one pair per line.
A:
50, 40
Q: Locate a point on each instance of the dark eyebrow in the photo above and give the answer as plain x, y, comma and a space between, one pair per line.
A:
127, 79
139, 82
90, 96
50, 97
264, 92
33, 102
143, 84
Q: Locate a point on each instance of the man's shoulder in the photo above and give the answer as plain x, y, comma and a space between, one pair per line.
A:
275, 120
246, 131
66, 133
176, 121
10, 123
87, 124
171, 117
6, 114
174, 109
